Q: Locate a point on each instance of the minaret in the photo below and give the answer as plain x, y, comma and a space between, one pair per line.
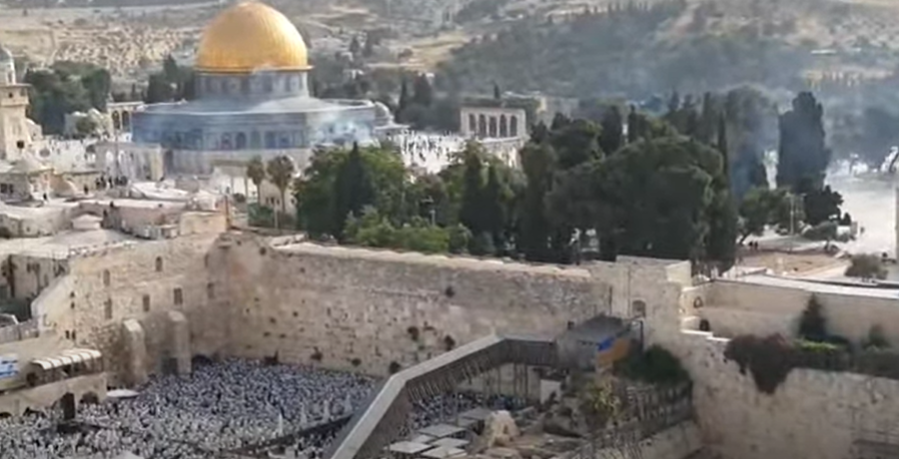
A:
15, 134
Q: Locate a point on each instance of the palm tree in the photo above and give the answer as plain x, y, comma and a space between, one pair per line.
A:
256, 173
280, 171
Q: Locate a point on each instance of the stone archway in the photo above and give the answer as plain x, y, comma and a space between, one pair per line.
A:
116, 121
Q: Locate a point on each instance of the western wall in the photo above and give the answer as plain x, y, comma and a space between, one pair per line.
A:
352, 308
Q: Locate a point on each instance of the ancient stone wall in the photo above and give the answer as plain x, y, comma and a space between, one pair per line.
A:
812, 414
142, 281
733, 308
361, 308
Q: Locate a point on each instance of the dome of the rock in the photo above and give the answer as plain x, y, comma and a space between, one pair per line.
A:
251, 36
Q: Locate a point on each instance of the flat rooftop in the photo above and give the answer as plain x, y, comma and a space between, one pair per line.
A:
60, 245
135, 203
817, 287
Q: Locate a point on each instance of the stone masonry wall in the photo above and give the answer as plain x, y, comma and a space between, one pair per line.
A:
357, 306
734, 308
143, 281
812, 414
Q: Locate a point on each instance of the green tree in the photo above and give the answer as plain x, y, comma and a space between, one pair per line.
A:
86, 126
822, 205
538, 162
423, 92
494, 212
159, 89
802, 155
612, 137
755, 212
472, 213
170, 70
353, 189
98, 84
256, 172
404, 100
280, 170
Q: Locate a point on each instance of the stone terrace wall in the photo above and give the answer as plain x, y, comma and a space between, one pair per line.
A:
347, 304
733, 308
812, 414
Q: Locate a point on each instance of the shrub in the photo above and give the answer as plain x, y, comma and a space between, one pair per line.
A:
812, 324
826, 231
866, 267
768, 359
655, 366
394, 367
449, 343
820, 355
413, 333
876, 339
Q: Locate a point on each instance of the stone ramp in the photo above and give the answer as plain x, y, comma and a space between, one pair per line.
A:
380, 419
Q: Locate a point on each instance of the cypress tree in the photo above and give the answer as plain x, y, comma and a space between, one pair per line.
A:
470, 213
722, 144
404, 99
612, 137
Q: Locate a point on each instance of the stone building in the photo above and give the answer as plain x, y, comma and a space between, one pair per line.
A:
493, 122
252, 99
17, 132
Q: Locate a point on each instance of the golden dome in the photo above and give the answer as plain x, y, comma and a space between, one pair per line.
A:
251, 36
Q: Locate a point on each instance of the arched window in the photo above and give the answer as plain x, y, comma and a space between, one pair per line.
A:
255, 140
284, 141
472, 123
210, 87
244, 86
493, 127
226, 141
126, 120
241, 141
267, 84
503, 127
513, 126
159, 264
106, 279
271, 140
116, 121
482, 126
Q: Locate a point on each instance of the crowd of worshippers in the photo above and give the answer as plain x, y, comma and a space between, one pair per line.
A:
221, 407
105, 182
430, 151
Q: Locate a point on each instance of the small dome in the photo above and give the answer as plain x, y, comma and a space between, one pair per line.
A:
251, 36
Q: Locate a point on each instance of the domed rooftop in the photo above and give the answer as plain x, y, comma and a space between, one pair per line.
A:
251, 36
